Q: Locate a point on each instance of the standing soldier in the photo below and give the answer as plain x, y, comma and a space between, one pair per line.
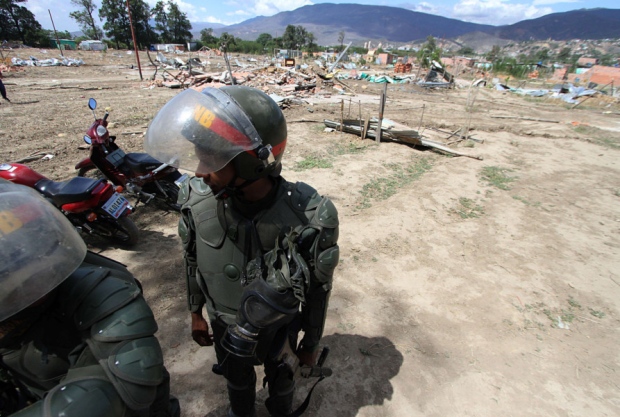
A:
260, 252
3, 89
76, 335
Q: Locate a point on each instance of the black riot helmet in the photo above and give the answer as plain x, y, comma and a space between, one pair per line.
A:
39, 248
204, 131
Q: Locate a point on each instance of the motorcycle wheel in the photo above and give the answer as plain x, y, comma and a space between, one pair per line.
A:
122, 230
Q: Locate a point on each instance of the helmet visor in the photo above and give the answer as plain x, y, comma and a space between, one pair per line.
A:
200, 132
39, 248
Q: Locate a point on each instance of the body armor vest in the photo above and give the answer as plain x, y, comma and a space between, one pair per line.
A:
227, 241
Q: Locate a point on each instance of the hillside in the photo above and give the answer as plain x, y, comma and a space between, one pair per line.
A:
399, 26
576, 24
362, 23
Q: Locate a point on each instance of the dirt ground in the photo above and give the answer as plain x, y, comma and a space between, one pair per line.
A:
466, 287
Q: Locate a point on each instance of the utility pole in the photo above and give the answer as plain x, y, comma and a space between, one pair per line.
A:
133, 36
56, 33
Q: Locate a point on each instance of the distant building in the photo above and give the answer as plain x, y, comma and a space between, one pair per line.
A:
458, 61
65, 44
168, 47
603, 75
584, 62
93, 45
384, 58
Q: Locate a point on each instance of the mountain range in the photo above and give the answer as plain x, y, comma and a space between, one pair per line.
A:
362, 23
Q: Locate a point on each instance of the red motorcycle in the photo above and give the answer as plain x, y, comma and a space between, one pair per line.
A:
139, 173
93, 206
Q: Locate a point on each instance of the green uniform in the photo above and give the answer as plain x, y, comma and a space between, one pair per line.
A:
91, 351
220, 238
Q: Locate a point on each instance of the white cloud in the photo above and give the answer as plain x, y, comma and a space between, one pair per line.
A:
271, 7
543, 2
496, 12
422, 7
239, 13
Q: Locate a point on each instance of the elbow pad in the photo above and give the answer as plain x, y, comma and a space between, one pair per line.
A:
88, 396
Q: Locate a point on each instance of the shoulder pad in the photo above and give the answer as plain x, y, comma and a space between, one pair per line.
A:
183, 191
326, 214
132, 321
89, 396
135, 368
108, 296
76, 287
197, 185
304, 197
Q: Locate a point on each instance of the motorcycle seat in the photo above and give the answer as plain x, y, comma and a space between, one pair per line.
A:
142, 163
72, 191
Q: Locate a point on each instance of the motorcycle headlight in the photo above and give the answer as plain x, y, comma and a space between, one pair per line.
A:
101, 130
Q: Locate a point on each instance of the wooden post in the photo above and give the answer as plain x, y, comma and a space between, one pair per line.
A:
365, 128
421, 117
56, 33
381, 108
359, 103
341, 115
133, 36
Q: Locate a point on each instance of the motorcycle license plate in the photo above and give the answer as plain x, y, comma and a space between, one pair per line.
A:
116, 205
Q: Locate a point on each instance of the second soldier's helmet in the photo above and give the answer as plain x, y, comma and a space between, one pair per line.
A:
203, 131
39, 248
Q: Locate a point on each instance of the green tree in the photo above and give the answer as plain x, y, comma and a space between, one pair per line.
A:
18, 23
264, 39
85, 19
117, 21
494, 54
172, 23
542, 55
466, 51
429, 52
117, 24
564, 55
296, 37
206, 36
227, 42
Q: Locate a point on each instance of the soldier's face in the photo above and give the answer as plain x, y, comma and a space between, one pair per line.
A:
219, 179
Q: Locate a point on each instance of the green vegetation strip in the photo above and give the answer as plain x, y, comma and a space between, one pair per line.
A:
382, 188
497, 177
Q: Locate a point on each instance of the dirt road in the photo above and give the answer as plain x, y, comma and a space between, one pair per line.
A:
466, 287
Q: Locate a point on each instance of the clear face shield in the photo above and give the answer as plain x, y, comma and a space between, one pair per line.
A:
39, 248
200, 132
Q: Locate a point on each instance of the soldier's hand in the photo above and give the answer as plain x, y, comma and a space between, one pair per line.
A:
200, 330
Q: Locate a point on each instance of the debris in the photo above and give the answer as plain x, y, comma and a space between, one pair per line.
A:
410, 137
53, 62
525, 118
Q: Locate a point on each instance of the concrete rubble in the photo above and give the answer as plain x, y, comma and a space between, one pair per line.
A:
297, 81
50, 62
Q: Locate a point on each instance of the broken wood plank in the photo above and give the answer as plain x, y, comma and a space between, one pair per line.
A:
533, 119
410, 137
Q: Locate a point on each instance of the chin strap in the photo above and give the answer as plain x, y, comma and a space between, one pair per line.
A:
231, 190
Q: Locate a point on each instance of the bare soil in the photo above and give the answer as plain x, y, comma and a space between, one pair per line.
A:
466, 287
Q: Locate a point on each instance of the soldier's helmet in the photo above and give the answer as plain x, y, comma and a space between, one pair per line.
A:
39, 248
216, 126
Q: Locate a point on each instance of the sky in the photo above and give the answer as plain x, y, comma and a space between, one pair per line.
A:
228, 12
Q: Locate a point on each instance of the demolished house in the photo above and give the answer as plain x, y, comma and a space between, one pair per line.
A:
437, 77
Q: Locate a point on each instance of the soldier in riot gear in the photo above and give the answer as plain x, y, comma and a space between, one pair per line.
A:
260, 252
76, 335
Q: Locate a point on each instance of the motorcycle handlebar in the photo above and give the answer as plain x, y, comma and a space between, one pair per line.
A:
105, 116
